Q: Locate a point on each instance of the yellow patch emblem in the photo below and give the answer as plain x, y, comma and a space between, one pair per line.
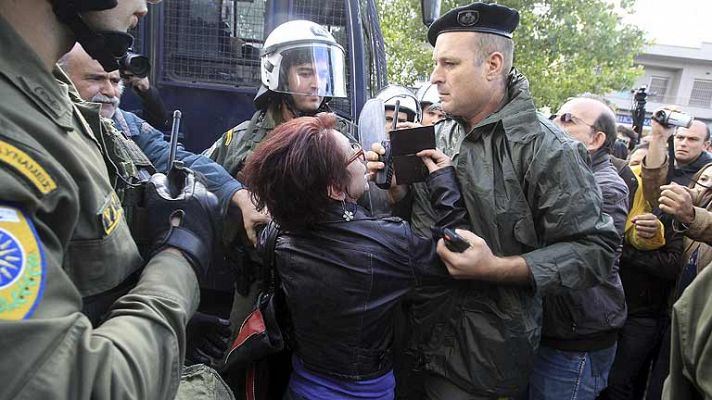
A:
111, 213
22, 265
228, 137
27, 167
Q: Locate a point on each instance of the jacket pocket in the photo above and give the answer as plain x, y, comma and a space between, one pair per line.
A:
494, 348
97, 265
561, 315
525, 233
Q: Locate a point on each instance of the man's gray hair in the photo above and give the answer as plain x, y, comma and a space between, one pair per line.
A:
64, 63
487, 43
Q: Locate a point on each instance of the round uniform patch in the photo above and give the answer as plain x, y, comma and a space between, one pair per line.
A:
22, 265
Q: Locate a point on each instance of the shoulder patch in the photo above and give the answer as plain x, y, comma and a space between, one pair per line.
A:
228, 137
26, 166
22, 265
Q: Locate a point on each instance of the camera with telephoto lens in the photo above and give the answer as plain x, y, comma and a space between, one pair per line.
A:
134, 64
668, 118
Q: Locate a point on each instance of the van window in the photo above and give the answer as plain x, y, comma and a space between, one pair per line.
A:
213, 41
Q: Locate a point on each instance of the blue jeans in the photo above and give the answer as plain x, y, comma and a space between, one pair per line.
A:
563, 375
638, 343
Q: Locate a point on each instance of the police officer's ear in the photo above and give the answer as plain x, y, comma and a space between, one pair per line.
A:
494, 63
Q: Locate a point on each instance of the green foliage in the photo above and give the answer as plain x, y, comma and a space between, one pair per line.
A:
408, 53
564, 47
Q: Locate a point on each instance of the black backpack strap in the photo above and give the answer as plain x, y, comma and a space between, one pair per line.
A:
271, 277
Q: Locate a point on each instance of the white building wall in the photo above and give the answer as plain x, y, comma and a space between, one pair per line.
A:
682, 65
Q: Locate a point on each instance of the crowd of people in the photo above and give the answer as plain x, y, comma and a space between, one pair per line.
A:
583, 273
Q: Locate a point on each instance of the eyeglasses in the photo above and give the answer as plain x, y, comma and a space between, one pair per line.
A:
358, 154
568, 118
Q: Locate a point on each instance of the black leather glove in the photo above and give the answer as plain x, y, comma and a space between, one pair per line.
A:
208, 337
182, 214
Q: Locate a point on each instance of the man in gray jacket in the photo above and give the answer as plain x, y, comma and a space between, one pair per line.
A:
534, 207
580, 330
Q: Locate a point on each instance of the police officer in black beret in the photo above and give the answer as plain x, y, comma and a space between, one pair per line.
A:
534, 208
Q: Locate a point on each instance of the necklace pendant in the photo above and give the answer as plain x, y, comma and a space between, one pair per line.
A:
348, 215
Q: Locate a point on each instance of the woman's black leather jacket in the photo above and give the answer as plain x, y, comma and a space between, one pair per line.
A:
342, 280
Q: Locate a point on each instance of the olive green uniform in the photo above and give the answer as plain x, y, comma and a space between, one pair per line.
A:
234, 146
62, 233
691, 336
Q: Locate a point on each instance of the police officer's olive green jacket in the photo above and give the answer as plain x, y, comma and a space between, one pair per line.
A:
691, 349
528, 191
61, 230
234, 146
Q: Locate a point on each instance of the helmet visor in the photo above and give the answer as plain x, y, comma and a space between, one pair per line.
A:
312, 71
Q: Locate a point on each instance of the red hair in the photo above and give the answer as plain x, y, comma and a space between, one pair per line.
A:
291, 171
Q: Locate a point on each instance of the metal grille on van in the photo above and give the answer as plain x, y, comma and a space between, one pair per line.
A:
213, 41
332, 14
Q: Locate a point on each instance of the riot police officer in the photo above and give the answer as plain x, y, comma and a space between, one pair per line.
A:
62, 228
408, 107
430, 103
302, 68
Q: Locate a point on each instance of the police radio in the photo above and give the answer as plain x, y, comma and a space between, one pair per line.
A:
176, 169
385, 176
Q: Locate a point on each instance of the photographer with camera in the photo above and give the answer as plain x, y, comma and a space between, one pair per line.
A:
671, 188
134, 69
688, 147
145, 146
153, 111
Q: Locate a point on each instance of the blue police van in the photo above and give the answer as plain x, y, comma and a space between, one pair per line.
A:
205, 56
205, 61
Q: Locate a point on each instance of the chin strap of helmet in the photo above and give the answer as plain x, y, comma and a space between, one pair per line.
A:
106, 47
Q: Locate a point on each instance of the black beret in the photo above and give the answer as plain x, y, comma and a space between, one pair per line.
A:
476, 17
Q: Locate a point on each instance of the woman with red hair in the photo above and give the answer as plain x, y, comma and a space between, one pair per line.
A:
342, 271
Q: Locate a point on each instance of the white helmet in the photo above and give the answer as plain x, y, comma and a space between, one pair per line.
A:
311, 47
408, 103
428, 94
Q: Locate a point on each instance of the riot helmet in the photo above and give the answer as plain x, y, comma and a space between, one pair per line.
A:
302, 58
429, 99
408, 103
428, 95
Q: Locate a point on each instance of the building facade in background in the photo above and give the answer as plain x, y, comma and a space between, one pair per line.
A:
673, 75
